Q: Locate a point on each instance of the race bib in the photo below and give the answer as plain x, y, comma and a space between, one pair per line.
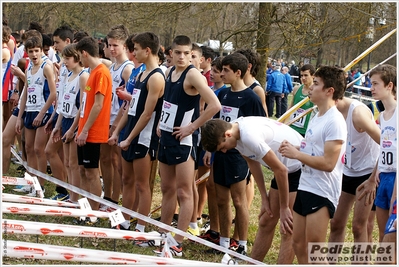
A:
82, 107
168, 116
133, 103
301, 122
229, 113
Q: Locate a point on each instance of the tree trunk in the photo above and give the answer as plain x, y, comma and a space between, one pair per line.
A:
262, 42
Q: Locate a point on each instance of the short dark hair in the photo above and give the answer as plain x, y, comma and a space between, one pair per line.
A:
34, 41
387, 74
308, 67
161, 54
64, 32
217, 62
34, 25
197, 48
47, 40
207, 52
88, 44
79, 36
129, 42
148, 39
236, 61
168, 50
212, 133
253, 58
333, 77
182, 40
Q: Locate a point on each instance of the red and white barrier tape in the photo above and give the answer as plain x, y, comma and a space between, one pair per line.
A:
41, 228
131, 213
36, 200
18, 208
63, 253
8, 180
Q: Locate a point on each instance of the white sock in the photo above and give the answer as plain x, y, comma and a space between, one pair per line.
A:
140, 227
193, 225
224, 242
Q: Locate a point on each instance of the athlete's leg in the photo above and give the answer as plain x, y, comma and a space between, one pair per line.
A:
338, 223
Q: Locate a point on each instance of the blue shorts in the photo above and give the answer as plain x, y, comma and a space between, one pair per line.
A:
30, 117
137, 151
385, 189
173, 155
16, 111
66, 123
392, 218
229, 168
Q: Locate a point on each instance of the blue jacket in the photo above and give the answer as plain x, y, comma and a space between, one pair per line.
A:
288, 80
276, 82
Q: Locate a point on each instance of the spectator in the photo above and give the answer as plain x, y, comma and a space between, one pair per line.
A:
275, 87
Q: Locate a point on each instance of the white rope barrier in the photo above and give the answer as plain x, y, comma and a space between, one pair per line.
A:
41, 228
137, 215
63, 253
36, 200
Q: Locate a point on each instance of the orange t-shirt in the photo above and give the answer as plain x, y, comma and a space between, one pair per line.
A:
99, 82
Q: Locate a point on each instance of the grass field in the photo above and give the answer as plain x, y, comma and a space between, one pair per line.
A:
192, 251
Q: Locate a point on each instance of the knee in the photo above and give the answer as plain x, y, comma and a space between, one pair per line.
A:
268, 222
39, 151
336, 225
142, 187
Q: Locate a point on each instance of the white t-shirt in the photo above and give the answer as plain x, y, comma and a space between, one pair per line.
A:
331, 126
259, 135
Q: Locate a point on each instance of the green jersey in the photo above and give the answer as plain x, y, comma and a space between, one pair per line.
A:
302, 124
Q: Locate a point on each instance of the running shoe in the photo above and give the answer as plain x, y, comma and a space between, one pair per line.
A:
146, 243
121, 227
176, 251
192, 231
60, 197
233, 244
241, 250
206, 226
23, 189
211, 236
106, 208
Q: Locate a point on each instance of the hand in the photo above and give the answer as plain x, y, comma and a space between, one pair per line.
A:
158, 131
288, 150
123, 94
38, 120
56, 135
18, 126
124, 145
181, 132
286, 221
14, 99
81, 139
367, 190
48, 128
113, 140
16, 71
207, 159
265, 208
68, 136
